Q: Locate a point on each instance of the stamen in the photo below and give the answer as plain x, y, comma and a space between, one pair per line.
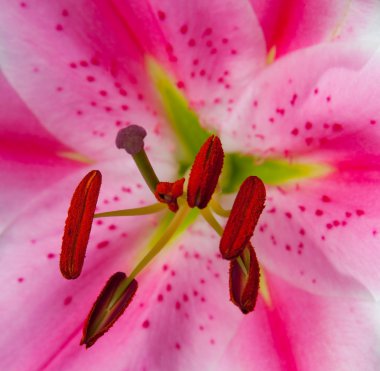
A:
205, 173
159, 245
131, 139
245, 288
78, 224
218, 209
206, 213
145, 210
169, 192
106, 310
245, 213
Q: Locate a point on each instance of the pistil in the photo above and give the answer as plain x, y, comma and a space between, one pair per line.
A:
131, 139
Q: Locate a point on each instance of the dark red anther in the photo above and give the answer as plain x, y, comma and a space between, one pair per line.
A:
244, 288
245, 213
205, 173
108, 308
169, 192
78, 224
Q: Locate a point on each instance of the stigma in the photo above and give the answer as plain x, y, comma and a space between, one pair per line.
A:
202, 186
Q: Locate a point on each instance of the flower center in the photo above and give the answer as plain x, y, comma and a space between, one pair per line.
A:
206, 162
202, 183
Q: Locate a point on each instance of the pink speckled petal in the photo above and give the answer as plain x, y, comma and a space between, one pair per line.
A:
41, 309
212, 49
80, 70
30, 158
294, 24
320, 245
323, 234
306, 99
183, 295
301, 331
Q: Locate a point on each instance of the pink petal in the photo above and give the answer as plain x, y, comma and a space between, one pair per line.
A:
30, 158
177, 316
301, 331
213, 49
306, 238
79, 69
290, 25
323, 234
40, 310
306, 99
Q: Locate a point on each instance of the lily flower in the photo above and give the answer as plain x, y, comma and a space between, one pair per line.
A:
298, 110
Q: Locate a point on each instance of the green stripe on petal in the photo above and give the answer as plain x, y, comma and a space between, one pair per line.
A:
183, 121
272, 171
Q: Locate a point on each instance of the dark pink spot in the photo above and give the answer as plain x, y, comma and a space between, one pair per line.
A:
178, 346
145, 324
337, 128
20, 279
102, 244
295, 132
160, 297
59, 27
359, 212
168, 287
191, 42
161, 15
103, 93
65, 13
185, 297
67, 300
308, 125
50, 255
184, 29
177, 305
288, 215
318, 212
95, 61
112, 227
308, 141
90, 78
83, 63
207, 32
326, 198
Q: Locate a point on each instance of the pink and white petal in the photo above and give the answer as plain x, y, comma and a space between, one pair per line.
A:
291, 25
80, 70
213, 49
30, 158
40, 310
329, 226
305, 99
302, 331
177, 316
